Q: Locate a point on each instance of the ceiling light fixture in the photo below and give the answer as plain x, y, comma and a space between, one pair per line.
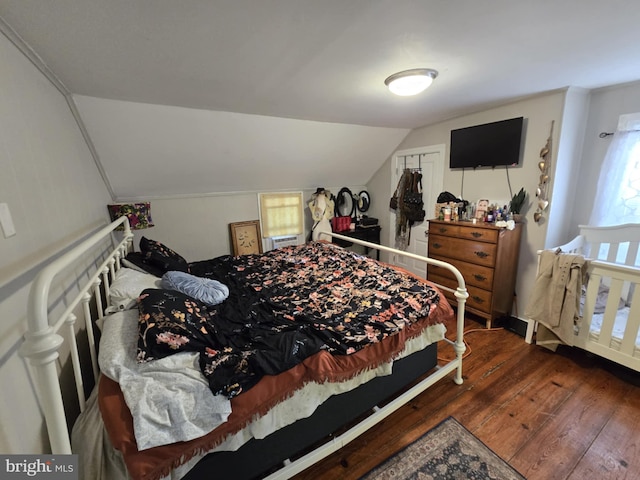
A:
410, 82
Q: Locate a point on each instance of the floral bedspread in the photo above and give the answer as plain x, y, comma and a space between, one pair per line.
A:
283, 306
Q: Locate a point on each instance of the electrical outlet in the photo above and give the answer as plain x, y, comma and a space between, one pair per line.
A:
6, 221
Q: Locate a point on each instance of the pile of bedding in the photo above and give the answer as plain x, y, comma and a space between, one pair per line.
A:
283, 307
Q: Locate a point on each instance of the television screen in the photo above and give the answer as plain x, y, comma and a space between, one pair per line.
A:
488, 145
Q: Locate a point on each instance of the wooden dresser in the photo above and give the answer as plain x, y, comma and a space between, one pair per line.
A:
487, 257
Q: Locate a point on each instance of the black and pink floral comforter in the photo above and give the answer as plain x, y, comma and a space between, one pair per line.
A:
284, 306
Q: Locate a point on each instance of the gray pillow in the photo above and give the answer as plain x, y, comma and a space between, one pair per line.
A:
206, 290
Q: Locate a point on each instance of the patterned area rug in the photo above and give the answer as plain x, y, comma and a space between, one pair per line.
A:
446, 452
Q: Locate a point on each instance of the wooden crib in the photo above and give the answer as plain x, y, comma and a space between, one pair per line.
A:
610, 318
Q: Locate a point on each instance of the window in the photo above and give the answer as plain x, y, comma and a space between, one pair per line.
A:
281, 214
618, 196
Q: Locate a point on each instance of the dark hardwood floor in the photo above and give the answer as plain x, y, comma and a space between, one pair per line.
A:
563, 415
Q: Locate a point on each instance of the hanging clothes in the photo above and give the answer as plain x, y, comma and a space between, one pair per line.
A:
408, 205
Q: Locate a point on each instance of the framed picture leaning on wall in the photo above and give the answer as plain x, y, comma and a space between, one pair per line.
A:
245, 237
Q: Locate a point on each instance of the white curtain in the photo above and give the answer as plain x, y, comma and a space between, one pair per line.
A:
281, 214
618, 195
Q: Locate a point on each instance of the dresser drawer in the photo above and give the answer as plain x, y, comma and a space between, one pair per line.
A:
479, 299
451, 230
477, 275
480, 253
479, 234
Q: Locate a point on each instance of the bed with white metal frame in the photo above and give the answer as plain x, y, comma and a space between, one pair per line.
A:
47, 332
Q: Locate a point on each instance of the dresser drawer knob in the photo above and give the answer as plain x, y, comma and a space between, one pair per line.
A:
443, 229
477, 299
437, 245
476, 234
482, 254
480, 278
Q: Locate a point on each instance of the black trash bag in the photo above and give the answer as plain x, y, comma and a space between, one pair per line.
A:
446, 197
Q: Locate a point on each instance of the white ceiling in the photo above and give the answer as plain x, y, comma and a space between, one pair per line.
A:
326, 60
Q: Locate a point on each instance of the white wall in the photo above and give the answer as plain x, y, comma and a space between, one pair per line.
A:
55, 194
197, 227
564, 167
539, 112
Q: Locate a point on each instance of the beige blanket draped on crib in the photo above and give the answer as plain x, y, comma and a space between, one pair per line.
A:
555, 302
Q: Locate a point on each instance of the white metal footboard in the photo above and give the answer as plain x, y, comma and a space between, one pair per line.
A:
300, 464
43, 338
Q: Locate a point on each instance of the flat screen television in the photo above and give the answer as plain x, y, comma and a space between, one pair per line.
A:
488, 145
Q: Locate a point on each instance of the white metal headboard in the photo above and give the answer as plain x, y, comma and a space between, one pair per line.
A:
43, 339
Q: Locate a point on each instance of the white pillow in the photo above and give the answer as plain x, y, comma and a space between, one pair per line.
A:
132, 266
126, 288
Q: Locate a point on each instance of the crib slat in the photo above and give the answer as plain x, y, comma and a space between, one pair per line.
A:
608, 322
589, 306
632, 254
594, 250
613, 252
632, 259
631, 331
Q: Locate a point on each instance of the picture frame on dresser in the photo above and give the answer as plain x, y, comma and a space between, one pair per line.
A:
481, 208
245, 237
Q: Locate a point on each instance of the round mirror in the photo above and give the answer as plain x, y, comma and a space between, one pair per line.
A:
345, 205
363, 201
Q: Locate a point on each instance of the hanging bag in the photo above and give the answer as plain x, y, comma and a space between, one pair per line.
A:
413, 204
404, 185
414, 194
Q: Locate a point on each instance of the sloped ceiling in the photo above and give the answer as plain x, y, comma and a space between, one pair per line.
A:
225, 85
162, 150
